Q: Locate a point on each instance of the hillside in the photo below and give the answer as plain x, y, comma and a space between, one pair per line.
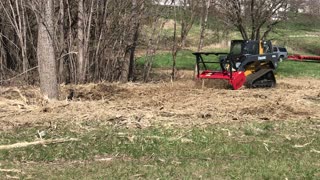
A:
300, 34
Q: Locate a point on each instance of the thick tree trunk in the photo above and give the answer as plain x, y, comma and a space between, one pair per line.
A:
46, 54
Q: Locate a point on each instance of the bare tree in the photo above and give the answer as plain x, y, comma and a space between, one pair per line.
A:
188, 16
296, 5
158, 21
128, 68
186, 19
250, 16
313, 6
45, 51
175, 43
15, 12
204, 21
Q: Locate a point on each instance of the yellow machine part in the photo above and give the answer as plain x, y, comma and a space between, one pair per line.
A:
261, 50
252, 68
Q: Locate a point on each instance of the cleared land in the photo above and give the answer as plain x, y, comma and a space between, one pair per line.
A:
164, 130
182, 103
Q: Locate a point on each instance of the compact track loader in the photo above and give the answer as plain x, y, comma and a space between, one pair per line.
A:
249, 63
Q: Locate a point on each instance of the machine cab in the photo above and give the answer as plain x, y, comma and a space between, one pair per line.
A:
242, 47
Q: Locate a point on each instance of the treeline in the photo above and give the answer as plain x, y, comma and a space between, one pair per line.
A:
90, 40
93, 40
80, 41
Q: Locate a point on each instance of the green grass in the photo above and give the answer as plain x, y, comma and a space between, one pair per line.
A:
185, 60
256, 150
299, 69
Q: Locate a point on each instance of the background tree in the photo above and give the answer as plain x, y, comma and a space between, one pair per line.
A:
313, 6
204, 15
254, 19
14, 34
137, 8
17, 18
188, 13
157, 18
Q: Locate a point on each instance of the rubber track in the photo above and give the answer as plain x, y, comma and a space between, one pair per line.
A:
259, 84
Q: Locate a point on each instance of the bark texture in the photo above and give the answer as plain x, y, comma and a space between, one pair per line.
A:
46, 53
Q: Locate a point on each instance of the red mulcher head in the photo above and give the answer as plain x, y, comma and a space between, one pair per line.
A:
236, 79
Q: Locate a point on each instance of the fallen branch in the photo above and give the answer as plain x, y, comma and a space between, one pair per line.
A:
11, 170
315, 151
6, 80
304, 145
266, 146
41, 142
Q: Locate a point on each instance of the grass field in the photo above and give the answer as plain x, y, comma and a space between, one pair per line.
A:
255, 150
186, 60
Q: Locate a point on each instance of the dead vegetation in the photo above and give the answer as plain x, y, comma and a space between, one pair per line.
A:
184, 103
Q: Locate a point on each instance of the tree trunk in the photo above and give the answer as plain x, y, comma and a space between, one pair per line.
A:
45, 52
204, 23
132, 55
184, 24
81, 55
152, 48
175, 45
23, 30
71, 66
62, 41
3, 58
129, 58
243, 32
134, 38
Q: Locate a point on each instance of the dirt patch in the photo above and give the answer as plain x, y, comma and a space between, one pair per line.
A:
184, 103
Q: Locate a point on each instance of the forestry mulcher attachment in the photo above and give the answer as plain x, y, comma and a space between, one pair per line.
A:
249, 63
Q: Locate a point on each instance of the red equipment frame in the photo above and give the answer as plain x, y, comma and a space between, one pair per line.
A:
304, 58
235, 78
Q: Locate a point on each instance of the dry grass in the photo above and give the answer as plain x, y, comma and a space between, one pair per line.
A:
184, 103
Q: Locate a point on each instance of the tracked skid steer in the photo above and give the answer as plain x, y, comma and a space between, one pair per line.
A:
249, 63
